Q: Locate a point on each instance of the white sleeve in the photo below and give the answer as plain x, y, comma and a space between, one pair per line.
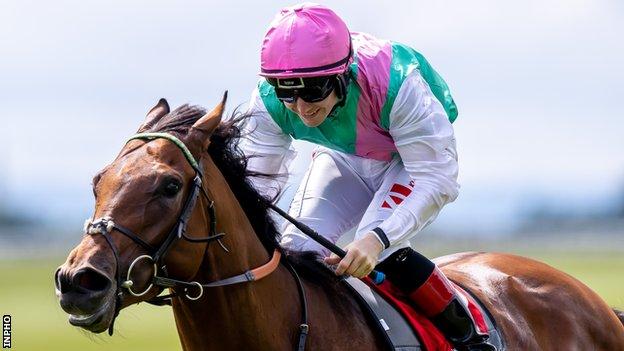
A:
267, 147
425, 140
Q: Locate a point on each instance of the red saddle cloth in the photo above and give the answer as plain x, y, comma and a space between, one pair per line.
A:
431, 338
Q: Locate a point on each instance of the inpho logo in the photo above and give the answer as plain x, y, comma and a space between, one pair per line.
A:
6, 331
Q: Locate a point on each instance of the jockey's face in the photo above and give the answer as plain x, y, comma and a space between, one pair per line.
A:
312, 114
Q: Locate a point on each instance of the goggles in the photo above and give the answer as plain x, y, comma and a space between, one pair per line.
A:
313, 89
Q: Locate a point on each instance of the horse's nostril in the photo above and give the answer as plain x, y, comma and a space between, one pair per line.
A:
90, 279
62, 281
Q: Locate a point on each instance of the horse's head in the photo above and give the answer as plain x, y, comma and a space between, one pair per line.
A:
143, 202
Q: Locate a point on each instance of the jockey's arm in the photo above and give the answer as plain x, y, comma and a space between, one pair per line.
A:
267, 147
425, 141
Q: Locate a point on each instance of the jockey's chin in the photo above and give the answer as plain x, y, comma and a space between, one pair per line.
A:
312, 114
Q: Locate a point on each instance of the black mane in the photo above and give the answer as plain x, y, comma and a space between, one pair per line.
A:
232, 163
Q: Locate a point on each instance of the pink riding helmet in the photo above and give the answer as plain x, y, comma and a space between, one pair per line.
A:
305, 40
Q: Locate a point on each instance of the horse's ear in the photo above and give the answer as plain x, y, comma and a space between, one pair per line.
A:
204, 127
155, 114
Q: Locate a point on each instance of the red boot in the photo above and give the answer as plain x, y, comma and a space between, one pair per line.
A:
431, 292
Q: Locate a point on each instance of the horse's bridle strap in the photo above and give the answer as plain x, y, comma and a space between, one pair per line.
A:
267, 268
187, 153
248, 276
128, 233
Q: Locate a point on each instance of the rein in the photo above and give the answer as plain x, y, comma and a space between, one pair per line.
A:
376, 276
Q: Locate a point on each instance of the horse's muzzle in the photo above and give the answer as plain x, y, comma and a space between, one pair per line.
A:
87, 295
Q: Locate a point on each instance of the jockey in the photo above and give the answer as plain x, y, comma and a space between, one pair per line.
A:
386, 159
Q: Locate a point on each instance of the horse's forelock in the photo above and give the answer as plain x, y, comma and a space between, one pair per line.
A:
178, 121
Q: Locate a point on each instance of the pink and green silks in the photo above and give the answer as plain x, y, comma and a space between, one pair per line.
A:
361, 126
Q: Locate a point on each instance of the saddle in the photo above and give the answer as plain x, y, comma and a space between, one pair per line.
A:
406, 329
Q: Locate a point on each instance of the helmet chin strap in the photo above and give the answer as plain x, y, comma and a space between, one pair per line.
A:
341, 90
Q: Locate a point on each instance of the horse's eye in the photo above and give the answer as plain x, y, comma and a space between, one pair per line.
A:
171, 188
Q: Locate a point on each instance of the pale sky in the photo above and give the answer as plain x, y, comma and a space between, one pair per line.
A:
538, 85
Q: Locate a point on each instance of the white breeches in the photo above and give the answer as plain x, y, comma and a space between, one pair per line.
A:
341, 191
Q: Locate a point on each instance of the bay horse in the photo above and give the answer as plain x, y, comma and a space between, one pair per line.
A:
183, 176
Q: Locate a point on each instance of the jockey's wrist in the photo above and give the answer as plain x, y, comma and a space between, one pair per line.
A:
376, 240
381, 236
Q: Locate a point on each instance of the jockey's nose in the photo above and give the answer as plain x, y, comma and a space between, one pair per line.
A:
303, 107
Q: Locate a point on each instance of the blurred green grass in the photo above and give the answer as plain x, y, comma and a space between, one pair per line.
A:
27, 294
601, 271
39, 323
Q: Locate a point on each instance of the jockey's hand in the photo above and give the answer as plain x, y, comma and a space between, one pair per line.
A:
361, 257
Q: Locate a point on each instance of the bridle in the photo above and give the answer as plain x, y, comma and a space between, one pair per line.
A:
106, 225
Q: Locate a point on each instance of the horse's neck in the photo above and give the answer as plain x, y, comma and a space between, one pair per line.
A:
245, 248
235, 315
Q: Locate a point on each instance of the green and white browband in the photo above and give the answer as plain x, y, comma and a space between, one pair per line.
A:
187, 153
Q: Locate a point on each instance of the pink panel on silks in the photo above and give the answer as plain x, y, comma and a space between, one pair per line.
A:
374, 57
